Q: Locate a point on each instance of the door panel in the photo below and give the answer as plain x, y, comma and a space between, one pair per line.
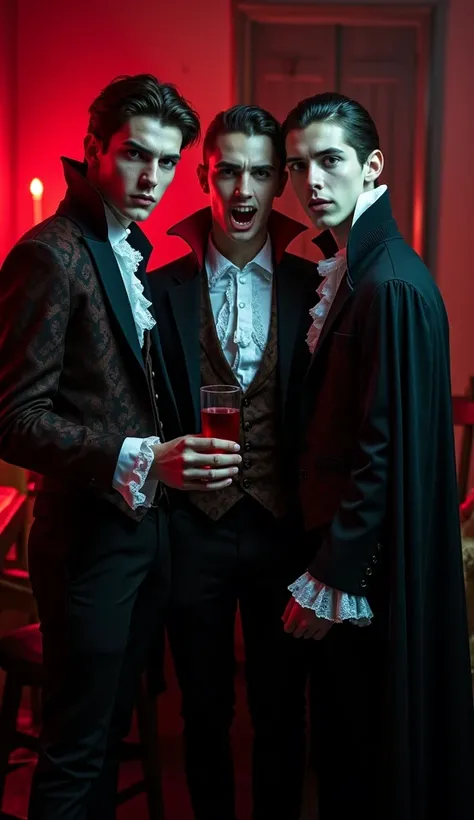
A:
378, 68
375, 65
290, 63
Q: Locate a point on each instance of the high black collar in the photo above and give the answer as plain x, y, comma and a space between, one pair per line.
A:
84, 205
375, 226
195, 230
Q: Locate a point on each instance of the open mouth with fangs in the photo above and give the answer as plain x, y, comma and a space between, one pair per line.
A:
242, 217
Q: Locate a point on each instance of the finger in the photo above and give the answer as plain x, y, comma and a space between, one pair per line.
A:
288, 609
311, 631
212, 474
200, 487
212, 459
293, 618
300, 629
203, 444
322, 631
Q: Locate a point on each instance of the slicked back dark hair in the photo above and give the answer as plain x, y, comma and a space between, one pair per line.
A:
358, 126
250, 120
141, 95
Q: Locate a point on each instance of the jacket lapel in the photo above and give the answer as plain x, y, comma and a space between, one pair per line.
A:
115, 292
185, 305
155, 339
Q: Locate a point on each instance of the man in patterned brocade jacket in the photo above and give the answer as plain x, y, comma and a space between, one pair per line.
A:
83, 384
235, 312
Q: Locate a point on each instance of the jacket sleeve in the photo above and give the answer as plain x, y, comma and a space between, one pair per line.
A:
35, 304
395, 356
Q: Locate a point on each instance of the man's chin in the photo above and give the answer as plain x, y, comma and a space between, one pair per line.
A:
137, 213
324, 221
245, 235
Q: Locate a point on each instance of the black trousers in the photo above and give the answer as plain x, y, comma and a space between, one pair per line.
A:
247, 558
101, 582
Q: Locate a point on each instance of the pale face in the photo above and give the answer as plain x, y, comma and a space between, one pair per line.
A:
134, 172
326, 174
243, 178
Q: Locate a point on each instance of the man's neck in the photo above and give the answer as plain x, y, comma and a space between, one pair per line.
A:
341, 232
123, 221
239, 253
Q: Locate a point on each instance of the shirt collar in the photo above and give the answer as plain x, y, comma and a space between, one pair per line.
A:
217, 264
116, 231
364, 202
367, 199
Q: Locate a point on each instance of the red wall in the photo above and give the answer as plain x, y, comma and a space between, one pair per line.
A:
7, 124
455, 273
65, 58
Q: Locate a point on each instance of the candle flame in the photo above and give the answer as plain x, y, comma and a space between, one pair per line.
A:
36, 188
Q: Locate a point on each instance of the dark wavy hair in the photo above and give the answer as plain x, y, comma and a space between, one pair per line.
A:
359, 128
250, 120
141, 94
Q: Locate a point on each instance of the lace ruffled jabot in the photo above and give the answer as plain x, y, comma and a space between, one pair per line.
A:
333, 270
131, 259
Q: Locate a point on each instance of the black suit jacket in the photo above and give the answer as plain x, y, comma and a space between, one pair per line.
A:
176, 293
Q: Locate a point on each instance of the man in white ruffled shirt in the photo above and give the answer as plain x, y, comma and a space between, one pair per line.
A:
235, 311
82, 388
392, 736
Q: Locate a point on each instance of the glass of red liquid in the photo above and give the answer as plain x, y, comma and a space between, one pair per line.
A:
220, 412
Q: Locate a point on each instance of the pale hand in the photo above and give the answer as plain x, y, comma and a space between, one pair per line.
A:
302, 622
192, 463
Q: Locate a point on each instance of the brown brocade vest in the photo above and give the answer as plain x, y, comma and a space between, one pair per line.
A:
261, 469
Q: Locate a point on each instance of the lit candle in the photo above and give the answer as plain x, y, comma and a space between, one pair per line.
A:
36, 191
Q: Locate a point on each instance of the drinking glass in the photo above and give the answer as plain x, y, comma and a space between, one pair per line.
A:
220, 412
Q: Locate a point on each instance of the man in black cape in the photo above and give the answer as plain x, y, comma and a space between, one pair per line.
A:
392, 711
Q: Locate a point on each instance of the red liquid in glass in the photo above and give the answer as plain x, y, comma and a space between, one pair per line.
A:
221, 422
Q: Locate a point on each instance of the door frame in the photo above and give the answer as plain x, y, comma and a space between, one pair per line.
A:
420, 18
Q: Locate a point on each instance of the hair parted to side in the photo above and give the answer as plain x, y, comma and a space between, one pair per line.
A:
128, 96
250, 120
359, 128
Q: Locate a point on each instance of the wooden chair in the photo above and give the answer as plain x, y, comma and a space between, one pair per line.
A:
21, 659
463, 416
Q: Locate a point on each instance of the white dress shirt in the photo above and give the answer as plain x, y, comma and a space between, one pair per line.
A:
136, 456
241, 301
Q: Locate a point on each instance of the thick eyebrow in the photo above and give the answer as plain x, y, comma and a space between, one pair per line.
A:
224, 163
144, 150
317, 154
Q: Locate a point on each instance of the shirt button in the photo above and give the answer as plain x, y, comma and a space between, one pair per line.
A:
247, 426
304, 474
241, 304
246, 483
247, 464
363, 583
247, 446
153, 373
246, 403
156, 396
242, 280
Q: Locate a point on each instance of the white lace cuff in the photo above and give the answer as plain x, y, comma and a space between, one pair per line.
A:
133, 466
331, 604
